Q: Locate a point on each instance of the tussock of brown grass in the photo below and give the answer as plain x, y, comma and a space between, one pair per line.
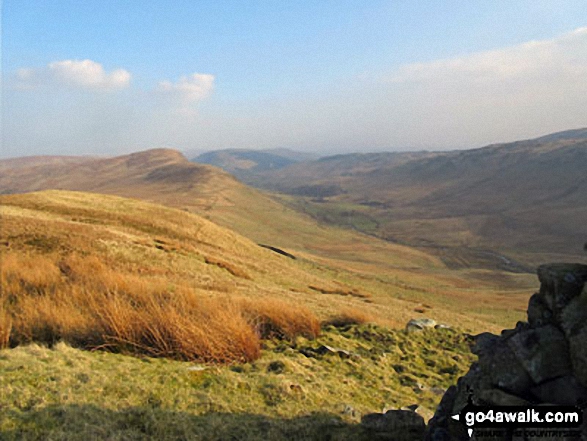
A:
80, 300
232, 269
5, 327
342, 291
277, 318
350, 316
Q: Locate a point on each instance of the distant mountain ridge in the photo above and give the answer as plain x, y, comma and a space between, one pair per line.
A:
243, 162
166, 177
527, 195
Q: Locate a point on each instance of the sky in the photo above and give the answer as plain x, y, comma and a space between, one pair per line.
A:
107, 77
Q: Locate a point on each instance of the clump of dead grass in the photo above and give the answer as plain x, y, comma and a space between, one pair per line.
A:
232, 269
277, 318
350, 316
5, 327
80, 300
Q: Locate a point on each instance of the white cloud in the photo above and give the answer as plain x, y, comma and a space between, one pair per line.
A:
88, 74
85, 74
561, 58
498, 95
188, 89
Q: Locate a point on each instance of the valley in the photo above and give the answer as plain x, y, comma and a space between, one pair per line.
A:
282, 301
507, 206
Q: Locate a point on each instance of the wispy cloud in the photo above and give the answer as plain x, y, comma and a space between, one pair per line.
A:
497, 95
559, 59
84, 74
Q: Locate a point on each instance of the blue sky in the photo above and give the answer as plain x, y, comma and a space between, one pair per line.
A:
109, 77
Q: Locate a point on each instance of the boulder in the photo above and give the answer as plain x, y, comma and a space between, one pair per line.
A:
574, 316
560, 283
497, 397
505, 371
484, 344
564, 391
542, 361
415, 325
578, 350
538, 311
543, 352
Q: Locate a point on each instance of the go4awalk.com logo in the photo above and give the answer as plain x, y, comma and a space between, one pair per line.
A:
516, 417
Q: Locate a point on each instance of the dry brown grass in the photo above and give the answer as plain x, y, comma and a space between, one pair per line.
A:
5, 327
277, 318
80, 300
232, 269
341, 291
350, 316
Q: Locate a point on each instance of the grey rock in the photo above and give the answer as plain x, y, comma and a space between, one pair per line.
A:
328, 350
505, 371
573, 317
542, 351
497, 397
578, 351
484, 343
415, 325
441, 426
563, 391
538, 311
560, 283
542, 361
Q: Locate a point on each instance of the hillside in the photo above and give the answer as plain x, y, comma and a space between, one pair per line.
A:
167, 177
281, 344
163, 245
525, 201
242, 163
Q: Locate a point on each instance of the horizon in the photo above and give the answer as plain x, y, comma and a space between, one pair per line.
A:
329, 78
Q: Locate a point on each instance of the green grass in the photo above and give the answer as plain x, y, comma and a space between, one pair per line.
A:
68, 394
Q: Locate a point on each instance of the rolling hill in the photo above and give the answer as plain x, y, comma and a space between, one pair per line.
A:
190, 325
60, 248
357, 261
165, 176
509, 205
242, 162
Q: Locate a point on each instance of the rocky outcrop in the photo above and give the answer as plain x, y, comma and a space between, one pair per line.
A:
541, 361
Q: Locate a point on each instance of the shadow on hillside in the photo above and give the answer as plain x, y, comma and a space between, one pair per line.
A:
89, 422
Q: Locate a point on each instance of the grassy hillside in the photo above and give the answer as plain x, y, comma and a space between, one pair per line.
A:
243, 162
508, 206
165, 176
68, 394
58, 246
285, 348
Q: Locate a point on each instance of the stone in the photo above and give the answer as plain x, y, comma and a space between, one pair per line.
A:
328, 350
484, 343
395, 425
542, 361
560, 283
497, 397
415, 325
505, 371
574, 316
564, 391
538, 311
542, 351
578, 351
